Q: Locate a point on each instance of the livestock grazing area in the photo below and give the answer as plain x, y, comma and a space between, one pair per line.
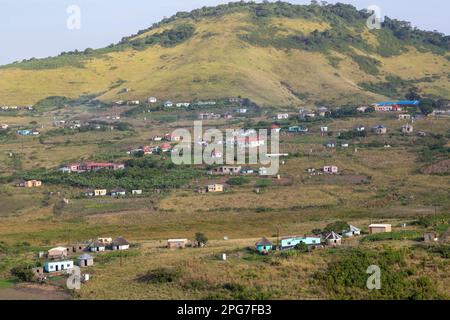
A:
396, 178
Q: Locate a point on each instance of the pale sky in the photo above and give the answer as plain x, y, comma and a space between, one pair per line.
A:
37, 28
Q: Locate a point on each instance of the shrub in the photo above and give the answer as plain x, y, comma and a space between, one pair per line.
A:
161, 275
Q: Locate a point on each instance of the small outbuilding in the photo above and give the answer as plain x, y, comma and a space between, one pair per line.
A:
380, 228
85, 260
264, 245
333, 239
177, 243
58, 253
351, 232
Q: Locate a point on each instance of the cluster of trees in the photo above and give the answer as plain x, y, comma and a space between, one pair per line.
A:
139, 173
337, 226
403, 30
346, 278
167, 38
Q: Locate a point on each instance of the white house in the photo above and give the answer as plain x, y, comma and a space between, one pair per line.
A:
55, 266
96, 246
152, 100
282, 116
323, 129
330, 169
168, 104
120, 243
353, 231
136, 192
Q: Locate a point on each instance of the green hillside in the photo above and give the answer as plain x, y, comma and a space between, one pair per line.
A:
274, 53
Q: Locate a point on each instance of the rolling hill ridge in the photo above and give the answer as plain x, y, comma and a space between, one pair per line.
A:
273, 53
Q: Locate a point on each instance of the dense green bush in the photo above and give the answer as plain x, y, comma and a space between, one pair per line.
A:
346, 278
161, 275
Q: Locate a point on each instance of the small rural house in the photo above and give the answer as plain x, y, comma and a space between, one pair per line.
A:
430, 237
330, 144
330, 169
380, 129
100, 192
247, 171
152, 100
120, 243
56, 266
85, 260
351, 232
29, 183
407, 128
379, 228
57, 253
282, 116
322, 111
216, 154
297, 129
333, 239
79, 247
105, 240
215, 187
275, 127
360, 128
225, 170
3, 126
264, 245
88, 193
291, 242
136, 192
96, 246
177, 243
323, 129
168, 104
404, 117
165, 147
118, 192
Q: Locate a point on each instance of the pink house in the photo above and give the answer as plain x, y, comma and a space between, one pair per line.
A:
330, 169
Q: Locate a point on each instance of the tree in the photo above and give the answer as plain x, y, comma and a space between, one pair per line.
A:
201, 239
302, 247
426, 106
337, 227
413, 94
23, 273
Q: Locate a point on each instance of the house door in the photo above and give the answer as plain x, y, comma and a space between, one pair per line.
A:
57, 268
85, 263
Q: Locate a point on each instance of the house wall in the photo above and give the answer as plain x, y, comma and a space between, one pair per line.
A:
292, 242
58, 266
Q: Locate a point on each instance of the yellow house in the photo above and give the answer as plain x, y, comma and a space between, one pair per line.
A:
105, 240
215, 188
29, 184
100, 192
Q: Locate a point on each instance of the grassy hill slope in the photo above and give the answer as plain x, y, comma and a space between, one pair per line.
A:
275, 54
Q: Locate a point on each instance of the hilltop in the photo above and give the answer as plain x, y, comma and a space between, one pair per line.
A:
276, 54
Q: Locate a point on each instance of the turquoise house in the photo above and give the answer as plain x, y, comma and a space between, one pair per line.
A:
291, 242
264, 245
298, 129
